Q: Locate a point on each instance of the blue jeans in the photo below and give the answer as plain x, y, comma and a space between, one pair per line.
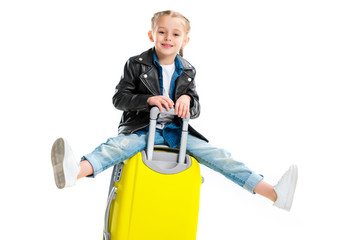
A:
124, 146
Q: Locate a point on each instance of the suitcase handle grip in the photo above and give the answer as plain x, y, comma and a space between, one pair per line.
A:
154, 113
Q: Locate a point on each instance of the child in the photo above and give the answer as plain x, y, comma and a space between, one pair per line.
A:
160, 77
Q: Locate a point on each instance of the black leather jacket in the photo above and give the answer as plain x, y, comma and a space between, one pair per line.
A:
140, 81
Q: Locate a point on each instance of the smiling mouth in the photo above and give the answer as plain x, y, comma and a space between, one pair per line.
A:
167, 45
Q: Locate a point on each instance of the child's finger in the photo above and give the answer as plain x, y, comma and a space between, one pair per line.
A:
165, 104
181, 110
170, 102
176, 107
186, 112
160, 107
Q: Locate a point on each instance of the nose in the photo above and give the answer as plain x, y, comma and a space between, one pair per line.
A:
168, 37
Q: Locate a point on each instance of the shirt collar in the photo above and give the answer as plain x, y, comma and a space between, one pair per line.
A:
178, 65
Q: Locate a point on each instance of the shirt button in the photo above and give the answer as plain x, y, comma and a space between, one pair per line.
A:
189, 79
145, 75
140, 59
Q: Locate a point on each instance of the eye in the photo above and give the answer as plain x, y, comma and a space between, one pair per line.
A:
176, 34
161, 32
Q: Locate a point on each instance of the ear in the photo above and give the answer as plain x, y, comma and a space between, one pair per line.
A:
151, 36
186, 41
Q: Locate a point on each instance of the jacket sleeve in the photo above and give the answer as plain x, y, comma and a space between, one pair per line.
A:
127, 96
194, 104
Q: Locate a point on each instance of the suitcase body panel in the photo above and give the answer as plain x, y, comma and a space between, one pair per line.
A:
150, 205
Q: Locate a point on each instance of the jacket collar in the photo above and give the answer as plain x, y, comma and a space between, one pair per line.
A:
147, 58
178, 65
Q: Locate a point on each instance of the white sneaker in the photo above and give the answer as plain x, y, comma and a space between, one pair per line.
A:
66, 168
285, 188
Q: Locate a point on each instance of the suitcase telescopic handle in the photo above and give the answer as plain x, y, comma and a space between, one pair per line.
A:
154, 113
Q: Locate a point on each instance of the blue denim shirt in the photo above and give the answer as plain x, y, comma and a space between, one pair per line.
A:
178, 71
172, 131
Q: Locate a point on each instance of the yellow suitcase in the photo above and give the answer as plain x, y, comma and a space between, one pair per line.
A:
155, 194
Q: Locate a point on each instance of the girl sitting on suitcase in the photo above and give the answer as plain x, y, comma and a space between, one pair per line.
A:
161, 77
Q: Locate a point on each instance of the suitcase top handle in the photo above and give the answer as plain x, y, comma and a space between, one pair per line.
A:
154, 113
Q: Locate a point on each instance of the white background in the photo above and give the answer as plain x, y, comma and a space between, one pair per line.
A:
278, 82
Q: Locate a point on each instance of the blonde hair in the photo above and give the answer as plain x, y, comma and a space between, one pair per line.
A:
158, 15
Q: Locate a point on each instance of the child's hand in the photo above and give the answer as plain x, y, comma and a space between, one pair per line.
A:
182, 106
160, 101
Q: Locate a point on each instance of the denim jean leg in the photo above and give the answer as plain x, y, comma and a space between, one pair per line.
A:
221, 161
118, 149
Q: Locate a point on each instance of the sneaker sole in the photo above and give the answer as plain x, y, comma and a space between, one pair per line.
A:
292, 191
57, 159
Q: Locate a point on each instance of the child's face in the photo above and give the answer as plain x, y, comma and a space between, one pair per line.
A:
169, 36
